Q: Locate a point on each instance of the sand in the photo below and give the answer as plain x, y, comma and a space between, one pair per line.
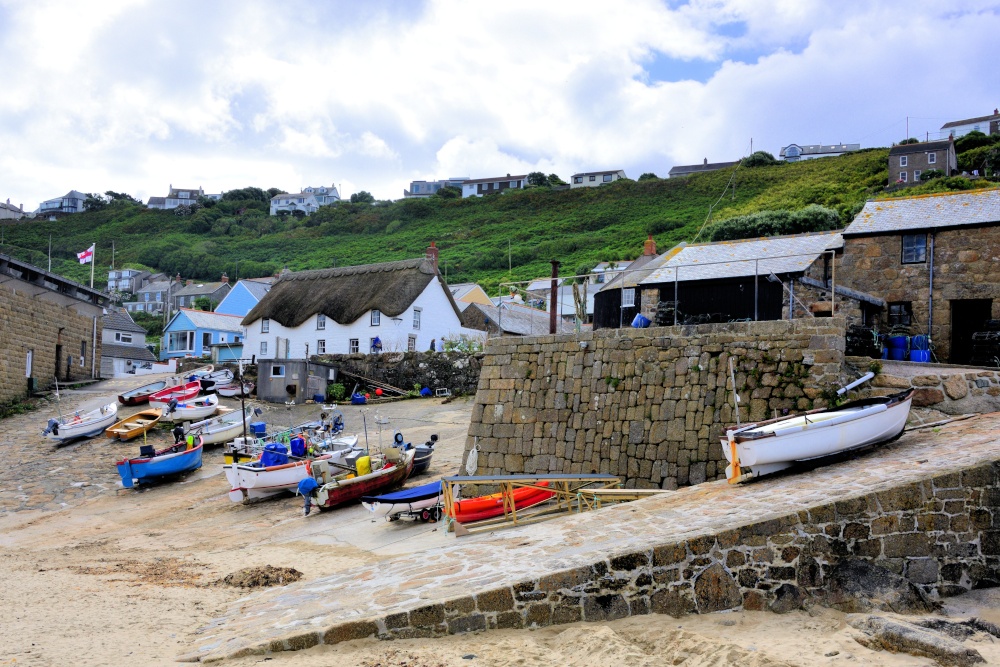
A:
98, 575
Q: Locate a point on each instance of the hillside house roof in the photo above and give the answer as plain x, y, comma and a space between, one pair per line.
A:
197, 289
734, 259
599, 173
157, 201
516, 318
346, 293
494, 179
204, 319
134, 352
685, 169
922, 147
119, 320
153, 287
258, 287
934, 211
979, 119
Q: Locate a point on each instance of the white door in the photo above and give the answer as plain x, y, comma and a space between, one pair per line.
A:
27, 364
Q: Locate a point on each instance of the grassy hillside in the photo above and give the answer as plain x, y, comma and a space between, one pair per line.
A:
477, 237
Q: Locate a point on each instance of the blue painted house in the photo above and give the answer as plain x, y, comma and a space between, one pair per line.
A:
192, 333
244, 296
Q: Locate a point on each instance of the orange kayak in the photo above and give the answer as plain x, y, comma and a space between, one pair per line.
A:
487, 507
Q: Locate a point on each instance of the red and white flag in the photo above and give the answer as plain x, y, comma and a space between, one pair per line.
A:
87, 255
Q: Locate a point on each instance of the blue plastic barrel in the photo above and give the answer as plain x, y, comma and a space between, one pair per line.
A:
897, 347
640, 321
919, 343
922, 356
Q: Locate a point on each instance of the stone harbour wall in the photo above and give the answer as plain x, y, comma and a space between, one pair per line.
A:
952, 390
456, 371
29, 323
648, 405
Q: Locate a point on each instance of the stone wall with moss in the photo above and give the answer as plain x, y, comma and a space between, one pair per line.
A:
648, 405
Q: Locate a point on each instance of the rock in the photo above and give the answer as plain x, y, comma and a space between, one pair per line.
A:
858, 586
715, 590
924, 397
788, 598
956, 387
880, 633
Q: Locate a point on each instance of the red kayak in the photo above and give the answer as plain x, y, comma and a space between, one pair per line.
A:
487, 507
184, 392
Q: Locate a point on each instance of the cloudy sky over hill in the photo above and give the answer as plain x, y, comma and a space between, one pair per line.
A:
133, 95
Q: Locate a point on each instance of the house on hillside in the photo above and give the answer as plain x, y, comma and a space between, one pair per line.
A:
152, 297
71, 202
797, 152
308, 201
897, 249
985, 124
592, 179
10, 212
421, 189
186, 296
908, 161
123, 345
468, 293
178, 197
51, 329
390, 307
480, 187
128, 281
246, 294
681, 170
191, 333
752, 279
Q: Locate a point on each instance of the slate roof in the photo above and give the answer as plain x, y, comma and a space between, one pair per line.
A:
734, 259
922, 147
158, 201
204, 319
134, 352
258, 287
516, 318
684, 169
458, 290
157, 286
934, 211
956, 123
195, 289
633, 275
599, 173
120, 320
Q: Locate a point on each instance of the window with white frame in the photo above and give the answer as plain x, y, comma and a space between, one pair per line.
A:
416, 318
914, 248
607, 178
916, 174
593, 178
278, 371
578, 179
411, 344
353, 346
321, 321
263, 348
180, 341
628, 297
931, 158
125, 338
513, 184
265, 325
902, 160
903, 176
376, 318
320, 346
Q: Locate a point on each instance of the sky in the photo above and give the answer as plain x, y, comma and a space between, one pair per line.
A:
138, 95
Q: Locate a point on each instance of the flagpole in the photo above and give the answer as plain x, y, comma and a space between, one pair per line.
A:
93, 260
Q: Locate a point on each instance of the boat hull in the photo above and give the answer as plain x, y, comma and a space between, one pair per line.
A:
192, 409
769, 447
343, 491
409, 501
233, 390
135, 425
86, 425
141, 394
217, 430
184, 392
165, 463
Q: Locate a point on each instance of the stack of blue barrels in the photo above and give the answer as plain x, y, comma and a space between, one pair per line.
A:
920, 349
898, 347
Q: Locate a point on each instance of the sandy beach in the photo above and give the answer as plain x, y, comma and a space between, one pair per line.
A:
99, 575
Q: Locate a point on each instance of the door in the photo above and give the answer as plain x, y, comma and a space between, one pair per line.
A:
967, 317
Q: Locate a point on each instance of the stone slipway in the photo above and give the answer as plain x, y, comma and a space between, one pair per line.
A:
923, 506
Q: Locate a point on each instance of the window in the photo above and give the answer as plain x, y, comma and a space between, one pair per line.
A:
497, 185
263, 348
159, 297
416, 318
179, 341
353, 346
916, 175
321, 321
124, 338
265, 325
607, 178
900, 312
376, 318
83, 352
902, 160
578, 179
593, 178
411, 344
914, 248
206, 341
278, 371
321, 346
931, 158
628, 297
902, 176
513, 184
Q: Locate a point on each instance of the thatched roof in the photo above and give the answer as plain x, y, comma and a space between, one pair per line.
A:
344, 294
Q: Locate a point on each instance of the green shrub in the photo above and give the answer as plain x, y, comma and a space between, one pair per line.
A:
759, 159
812, 218
336, 392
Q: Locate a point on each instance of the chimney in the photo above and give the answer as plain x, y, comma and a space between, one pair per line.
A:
432, 255
649, 247
225, 278
705, 161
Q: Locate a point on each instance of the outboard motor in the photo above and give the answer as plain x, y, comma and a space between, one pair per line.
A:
178, 432
52, 427
433, 441
172, 405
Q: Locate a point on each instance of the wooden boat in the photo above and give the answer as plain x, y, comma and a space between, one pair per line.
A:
346, 487
82, 423
191, 409
134, 425
231, 389
209, 381
154, 464
767, 447
221, 428
420, 502
184, 392
487, 507
275, 472
141, 394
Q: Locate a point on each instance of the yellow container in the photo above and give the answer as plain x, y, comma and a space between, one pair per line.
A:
364, 465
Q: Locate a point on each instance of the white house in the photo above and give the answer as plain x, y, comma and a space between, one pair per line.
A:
797, 152
310, 199
71, 202
593, 179
10, 212
985, 124
490, 186
405, 305
178, 197
123, 345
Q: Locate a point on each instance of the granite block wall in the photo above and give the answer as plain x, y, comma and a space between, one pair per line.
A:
648, 405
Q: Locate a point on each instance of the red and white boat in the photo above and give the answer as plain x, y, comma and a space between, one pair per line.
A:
184, 392
386, 473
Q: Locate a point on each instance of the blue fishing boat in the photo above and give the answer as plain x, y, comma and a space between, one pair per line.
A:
423, 502
153, 464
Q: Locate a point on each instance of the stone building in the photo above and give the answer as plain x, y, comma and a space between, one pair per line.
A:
932, 259
908, 161
51, 328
